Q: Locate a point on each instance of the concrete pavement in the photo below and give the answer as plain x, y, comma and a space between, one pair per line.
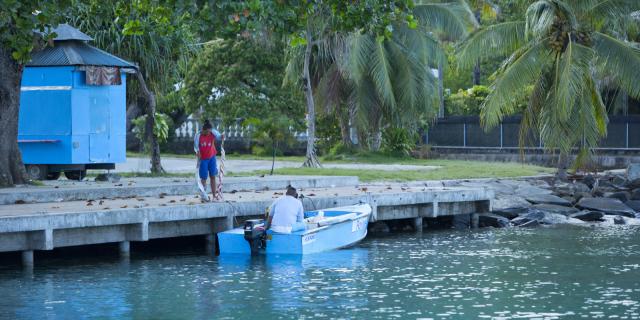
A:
185, 165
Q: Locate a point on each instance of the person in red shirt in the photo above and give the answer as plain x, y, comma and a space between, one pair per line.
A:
204, 144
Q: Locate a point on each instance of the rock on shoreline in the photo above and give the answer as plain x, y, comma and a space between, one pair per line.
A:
605, 200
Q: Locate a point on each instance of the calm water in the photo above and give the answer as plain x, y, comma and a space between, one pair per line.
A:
510, 273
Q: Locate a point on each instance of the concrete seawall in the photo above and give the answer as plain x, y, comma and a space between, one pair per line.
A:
45, 226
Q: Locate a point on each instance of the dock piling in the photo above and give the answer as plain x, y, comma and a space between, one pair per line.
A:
417, 223
27, 258
124, 248
475, 220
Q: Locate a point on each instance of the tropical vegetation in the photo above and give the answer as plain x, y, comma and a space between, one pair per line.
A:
360, 76
565, 49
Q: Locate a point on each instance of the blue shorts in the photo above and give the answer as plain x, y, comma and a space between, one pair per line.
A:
208, 168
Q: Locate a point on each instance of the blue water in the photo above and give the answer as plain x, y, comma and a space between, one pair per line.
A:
558, 272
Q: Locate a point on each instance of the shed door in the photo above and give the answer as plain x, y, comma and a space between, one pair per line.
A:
99, 129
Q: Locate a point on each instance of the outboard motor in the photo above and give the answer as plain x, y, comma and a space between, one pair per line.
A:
255, 235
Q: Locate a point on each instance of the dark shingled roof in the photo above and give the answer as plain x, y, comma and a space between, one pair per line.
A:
70, 49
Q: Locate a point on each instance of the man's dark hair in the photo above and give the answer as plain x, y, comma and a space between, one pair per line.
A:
206, 125
291, 191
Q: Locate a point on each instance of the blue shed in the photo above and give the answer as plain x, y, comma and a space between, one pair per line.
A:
72, 108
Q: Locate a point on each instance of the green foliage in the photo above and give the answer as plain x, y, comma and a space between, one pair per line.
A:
271, 134
328, 133
157, 35
291, 17
19, 19
160, 130
560, 49
398, 141
241, 78
466, 102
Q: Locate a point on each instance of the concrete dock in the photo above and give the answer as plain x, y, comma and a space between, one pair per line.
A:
49, 225
65, 190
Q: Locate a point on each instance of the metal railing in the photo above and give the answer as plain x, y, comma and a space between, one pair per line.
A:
234, 131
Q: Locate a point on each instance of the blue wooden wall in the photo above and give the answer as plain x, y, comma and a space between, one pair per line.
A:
76, 123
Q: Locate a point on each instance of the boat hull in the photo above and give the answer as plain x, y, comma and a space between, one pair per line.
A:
341, 228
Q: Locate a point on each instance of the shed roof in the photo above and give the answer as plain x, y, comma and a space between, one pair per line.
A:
67, 32
70, 49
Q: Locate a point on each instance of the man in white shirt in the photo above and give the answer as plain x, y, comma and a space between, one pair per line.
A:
286, 214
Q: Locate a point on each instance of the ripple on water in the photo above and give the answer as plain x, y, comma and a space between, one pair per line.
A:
545, 273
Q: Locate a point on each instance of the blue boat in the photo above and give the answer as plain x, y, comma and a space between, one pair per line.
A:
327, 229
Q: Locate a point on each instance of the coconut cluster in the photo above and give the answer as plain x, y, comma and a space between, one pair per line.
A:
561, 33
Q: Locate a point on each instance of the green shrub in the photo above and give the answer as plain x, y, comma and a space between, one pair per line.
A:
398, 141
160, 130
466, 102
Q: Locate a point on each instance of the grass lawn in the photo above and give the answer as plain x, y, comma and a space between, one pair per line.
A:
450, 169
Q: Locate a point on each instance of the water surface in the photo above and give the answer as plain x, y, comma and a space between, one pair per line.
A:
558, 272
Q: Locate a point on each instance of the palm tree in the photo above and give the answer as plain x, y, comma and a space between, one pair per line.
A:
158, 40
374, 81
562, 48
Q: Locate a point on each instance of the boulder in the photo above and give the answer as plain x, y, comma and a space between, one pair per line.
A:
633, 184
623, 196
527, 218
633, 171
529, 224
553, 218
618, 181
492, 220
635, 194
540, 217
587, 215
634, 204
502, 202
606, 186
552, 208
589, 181
563, 189
547, 199
110, 177
581, 195
613, 220
581, 187
511, 213
606, 205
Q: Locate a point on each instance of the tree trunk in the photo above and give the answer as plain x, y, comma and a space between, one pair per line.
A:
343, 121
273, 158
133, 111
441, 89
311, 157
563, 164
156, 166
376, 140
12, 169
476, 74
